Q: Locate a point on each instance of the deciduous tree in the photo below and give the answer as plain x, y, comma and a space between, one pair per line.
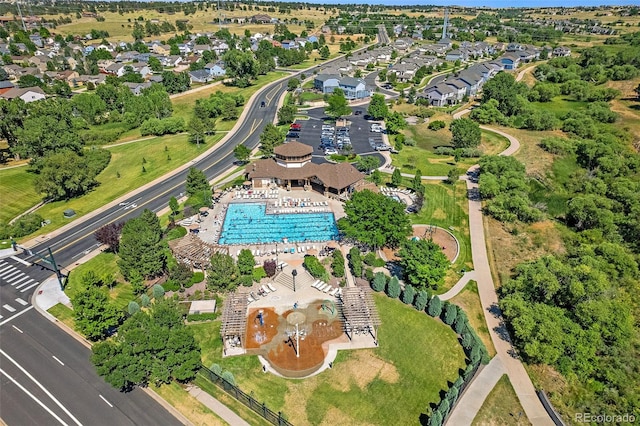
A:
378, 109
94, 315
109, 235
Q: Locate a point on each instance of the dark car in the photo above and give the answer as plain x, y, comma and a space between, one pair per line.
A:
263, 104
293, 135
358, 112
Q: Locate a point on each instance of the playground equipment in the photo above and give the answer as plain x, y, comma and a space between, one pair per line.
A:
329, 306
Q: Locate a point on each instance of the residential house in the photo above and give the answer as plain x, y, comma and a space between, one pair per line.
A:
141, 68
27, 94
404, 71
354, 88
161, 49
561, 51
288, 44
199, 49
137, 88
457, 55
184, 48
261, 19
220, 47
216, 69
170, 61
326, 83
200, 76
439, 94
116, 69
510, 60
5, 86
460, 88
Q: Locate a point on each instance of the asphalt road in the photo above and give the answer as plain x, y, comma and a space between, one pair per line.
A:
32, 341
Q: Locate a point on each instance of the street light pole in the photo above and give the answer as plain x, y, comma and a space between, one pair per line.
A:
294, 273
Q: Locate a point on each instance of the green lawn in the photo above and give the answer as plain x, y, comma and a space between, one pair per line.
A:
102, 264
469, 300
392, 384
18, 193
63, 313
560, 105
124, 174
311, 97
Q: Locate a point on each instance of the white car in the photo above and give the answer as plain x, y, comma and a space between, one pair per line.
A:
330, 152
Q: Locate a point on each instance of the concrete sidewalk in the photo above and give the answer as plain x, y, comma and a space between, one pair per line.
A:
459, 286
473, 397
216, 406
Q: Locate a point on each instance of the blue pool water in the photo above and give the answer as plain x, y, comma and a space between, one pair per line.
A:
249, 224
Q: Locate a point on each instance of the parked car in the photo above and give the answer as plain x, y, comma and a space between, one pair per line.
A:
358, 112
330, 151
295, 126
326, 127
293, 135
382, 147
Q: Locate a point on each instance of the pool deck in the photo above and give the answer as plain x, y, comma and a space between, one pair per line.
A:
279, 200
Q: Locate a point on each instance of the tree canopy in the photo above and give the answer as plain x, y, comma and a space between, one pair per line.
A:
152, 346
423, 263
337, 105
375, 220
378, 109
141, 246
95, 316
269, 139
465, 133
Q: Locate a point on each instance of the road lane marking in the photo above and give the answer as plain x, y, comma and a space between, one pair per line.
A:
104, 399
31, 286
21, 332
40, 403
22, 302
41, 387
56, 358
25, 283
9, 308
24, 262
6, 268
16, 315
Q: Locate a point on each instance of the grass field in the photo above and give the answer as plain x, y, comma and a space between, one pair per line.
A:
469, 300
560, 106
102, 265
502, 407
18, 193
383, 386
64, 314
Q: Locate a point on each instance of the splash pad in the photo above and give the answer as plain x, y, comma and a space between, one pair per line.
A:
294, 342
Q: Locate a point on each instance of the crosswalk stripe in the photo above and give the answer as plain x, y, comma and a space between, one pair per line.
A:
9, 308
27, 288
6, 268
11, 274
22, 302
25, 283
15, 278
26, 277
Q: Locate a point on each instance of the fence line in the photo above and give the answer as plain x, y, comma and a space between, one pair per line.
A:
259, 408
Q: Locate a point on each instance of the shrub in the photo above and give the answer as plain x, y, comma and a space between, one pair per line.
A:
368, 274
379, 281
372, 260
145, 300
157, 291
175, 233
393, 288
209, 316
450, 314
197, 277
26, 225
421, 300
133, 308
337, 264
556, 145
246, 280
258, 274
159, 127
408, 295
315, 268
444, 150
171, 285
216, 369
228, 376
355, 261
437, 125
435, 306
270, 267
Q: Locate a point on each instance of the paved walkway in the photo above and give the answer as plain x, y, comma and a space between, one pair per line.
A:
473, 397
506, 353
216, 406
462, 282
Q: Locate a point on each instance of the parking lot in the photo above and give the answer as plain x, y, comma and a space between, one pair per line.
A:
359, 133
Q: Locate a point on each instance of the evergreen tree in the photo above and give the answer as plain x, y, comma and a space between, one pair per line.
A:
421, 300
246, 262
393, 287
141, 247
396, 177
379, 281
435, 306
450, 314
197, 182
408, 295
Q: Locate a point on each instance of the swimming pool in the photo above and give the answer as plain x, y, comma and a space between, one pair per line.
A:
249, 224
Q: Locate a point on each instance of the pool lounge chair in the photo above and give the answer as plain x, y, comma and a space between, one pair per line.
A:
253, 296
250, 299
266, 290
319, 285
272, 288
326, 290
334, 291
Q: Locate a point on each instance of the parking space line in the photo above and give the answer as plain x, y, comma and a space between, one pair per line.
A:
9, 307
